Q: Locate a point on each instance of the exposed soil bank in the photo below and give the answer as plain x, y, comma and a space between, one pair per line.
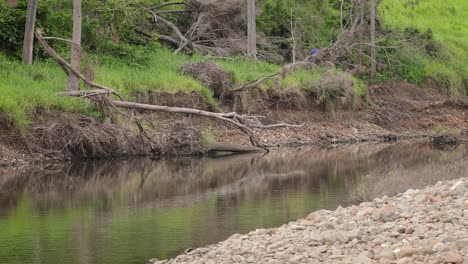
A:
398, 111
418, 226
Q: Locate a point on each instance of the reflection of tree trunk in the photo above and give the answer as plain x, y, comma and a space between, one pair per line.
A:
251, 30
82, 246
73, 80
372, 36
29, 32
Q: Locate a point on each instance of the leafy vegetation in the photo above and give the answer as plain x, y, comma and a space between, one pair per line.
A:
28, 90
444, 27
421, 49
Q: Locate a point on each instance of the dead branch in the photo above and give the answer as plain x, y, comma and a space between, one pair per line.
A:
281, 73
255, 83
244, 123
169, 24
176, 11
168, 4
51, 52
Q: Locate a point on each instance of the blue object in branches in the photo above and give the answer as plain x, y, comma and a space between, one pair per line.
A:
313, 52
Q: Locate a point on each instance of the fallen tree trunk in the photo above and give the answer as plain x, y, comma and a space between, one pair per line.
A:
233, 148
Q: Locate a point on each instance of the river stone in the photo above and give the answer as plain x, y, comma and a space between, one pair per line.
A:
362, 259
420, 198
462, 243
342, 237
386, 253
388, 213
329, 236
406, 215
409, 251
453, 257
297, 227
238, 258
456, 185
322, 249
355, 233
251, 259
448, 240
315, 237
376, 215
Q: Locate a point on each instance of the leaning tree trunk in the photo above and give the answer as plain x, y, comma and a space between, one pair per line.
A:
251, 30
29, 32
372, 36
73, 79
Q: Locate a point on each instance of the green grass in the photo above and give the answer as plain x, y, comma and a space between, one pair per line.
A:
449, 24
27, 90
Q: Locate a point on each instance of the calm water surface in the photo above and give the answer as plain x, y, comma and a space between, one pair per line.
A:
128, 211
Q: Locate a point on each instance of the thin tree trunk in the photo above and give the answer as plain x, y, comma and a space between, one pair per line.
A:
29, 32
251, 30
293, 35
361, 31
73, 79
372, 36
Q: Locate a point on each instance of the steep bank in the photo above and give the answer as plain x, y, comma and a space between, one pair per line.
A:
397, 111
418, 226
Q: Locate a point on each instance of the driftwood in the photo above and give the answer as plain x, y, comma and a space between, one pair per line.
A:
233, 148
244, 123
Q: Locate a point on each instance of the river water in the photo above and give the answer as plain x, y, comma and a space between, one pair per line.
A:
129, 211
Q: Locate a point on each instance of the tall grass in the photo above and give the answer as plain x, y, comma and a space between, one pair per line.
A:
26, 91
29, 90
449, 24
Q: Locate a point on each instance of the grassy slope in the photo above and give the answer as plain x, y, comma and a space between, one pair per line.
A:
449, 23
28, 90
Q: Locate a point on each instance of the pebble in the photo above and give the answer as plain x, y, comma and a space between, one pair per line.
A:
453, 257
419, 226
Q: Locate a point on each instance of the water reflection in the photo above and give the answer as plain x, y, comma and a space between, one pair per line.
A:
127, 211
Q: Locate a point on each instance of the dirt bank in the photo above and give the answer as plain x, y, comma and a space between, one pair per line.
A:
396, 111
418, 226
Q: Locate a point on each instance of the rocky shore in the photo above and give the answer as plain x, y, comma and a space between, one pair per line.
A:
418, 226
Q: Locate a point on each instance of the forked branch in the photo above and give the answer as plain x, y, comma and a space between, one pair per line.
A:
245, 123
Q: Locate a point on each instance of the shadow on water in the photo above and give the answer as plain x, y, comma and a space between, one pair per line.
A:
127, 211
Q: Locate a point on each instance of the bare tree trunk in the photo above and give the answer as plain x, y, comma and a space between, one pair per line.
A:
29, 32
251, 30
73, 79
372, 36
293, 35
361, 30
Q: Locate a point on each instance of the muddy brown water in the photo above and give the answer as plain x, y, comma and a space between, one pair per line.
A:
129, 211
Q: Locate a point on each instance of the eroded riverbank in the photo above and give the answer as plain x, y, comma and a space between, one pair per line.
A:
418, 226
398, 111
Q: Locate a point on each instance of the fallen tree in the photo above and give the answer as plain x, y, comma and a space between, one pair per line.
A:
103, 95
